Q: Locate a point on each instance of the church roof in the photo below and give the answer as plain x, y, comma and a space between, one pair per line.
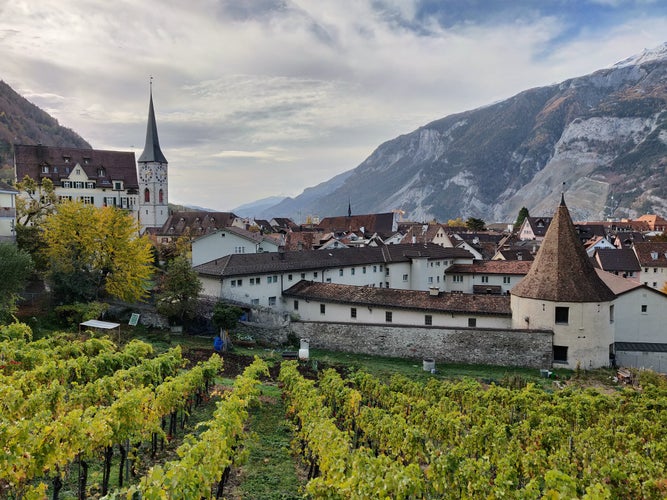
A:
562, 272
152, 151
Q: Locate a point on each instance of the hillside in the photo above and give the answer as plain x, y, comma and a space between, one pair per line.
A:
604, 135
21, 122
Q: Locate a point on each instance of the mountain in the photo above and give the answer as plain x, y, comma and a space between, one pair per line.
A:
255, 207
601, 137
21, 122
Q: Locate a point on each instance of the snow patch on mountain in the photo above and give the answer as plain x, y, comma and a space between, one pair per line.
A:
647, 55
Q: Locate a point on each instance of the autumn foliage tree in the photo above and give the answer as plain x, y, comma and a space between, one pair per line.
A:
179, 290
94, 251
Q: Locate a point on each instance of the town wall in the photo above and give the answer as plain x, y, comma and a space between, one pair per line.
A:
504, 347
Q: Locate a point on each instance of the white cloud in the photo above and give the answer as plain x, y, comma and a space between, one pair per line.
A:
258, 98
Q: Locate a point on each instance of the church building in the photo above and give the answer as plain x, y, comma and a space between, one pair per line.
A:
153, 178
104, 178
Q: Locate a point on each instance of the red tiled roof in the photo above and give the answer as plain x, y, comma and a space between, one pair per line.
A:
494, 305
196, 223
651, 253
372, 223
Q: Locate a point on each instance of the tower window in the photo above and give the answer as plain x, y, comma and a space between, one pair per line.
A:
161, 196
562, 315
147, 195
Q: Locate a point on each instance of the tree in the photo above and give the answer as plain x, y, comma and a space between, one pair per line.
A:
458, 222
15, 269
178, 291
37, 201
475, 224
523, 214
91, 251
34, 204
226, 317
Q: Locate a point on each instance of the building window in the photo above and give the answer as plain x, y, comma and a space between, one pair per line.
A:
430, 279
117, 186
233, 283
353, 271
562, 315
375, 269
289, 277
328, 280
386, 272
296, 305
405, 278
655, 284
386, 284
644, 308
315, 274
506, 279
272, 301
257, 280
90, 185
428, 320
611, 313
252, 281
353, 312
79, 185
485, 279
472, 322
388, 316
560, 354
67, 184
457, 278
161, 196
363, 270
323, 308
340, 272
303, 276
239, 282
254, 302
45, 169
147, 196
87, 200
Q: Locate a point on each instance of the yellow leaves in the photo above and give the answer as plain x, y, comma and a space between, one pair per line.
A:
103, 243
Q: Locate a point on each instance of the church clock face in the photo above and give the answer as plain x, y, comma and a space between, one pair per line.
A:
145, 173
161, 173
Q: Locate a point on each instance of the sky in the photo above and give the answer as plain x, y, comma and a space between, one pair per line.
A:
259, 98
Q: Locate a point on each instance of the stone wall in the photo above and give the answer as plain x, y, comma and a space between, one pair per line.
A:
527, 348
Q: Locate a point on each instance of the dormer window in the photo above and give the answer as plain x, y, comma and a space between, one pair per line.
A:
45, 169
654, 255
118, 185
86, 161
66, 159
101, 172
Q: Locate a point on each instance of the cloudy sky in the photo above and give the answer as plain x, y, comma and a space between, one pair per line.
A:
256, 98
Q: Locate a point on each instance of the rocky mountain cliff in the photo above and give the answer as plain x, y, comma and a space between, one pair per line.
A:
601, 137
21, 122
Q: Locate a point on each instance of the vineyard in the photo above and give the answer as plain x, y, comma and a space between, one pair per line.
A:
70, 406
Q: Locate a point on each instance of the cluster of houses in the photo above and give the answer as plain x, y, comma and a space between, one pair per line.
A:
553, 293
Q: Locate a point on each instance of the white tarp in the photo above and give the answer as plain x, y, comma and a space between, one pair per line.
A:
95, 323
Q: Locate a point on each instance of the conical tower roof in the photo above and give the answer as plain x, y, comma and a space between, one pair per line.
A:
152, 151
562, 271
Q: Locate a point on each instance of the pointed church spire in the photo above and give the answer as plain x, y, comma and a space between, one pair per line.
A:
152, 151
562, 271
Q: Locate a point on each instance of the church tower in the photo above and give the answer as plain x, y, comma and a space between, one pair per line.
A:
563, 293
153, 178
